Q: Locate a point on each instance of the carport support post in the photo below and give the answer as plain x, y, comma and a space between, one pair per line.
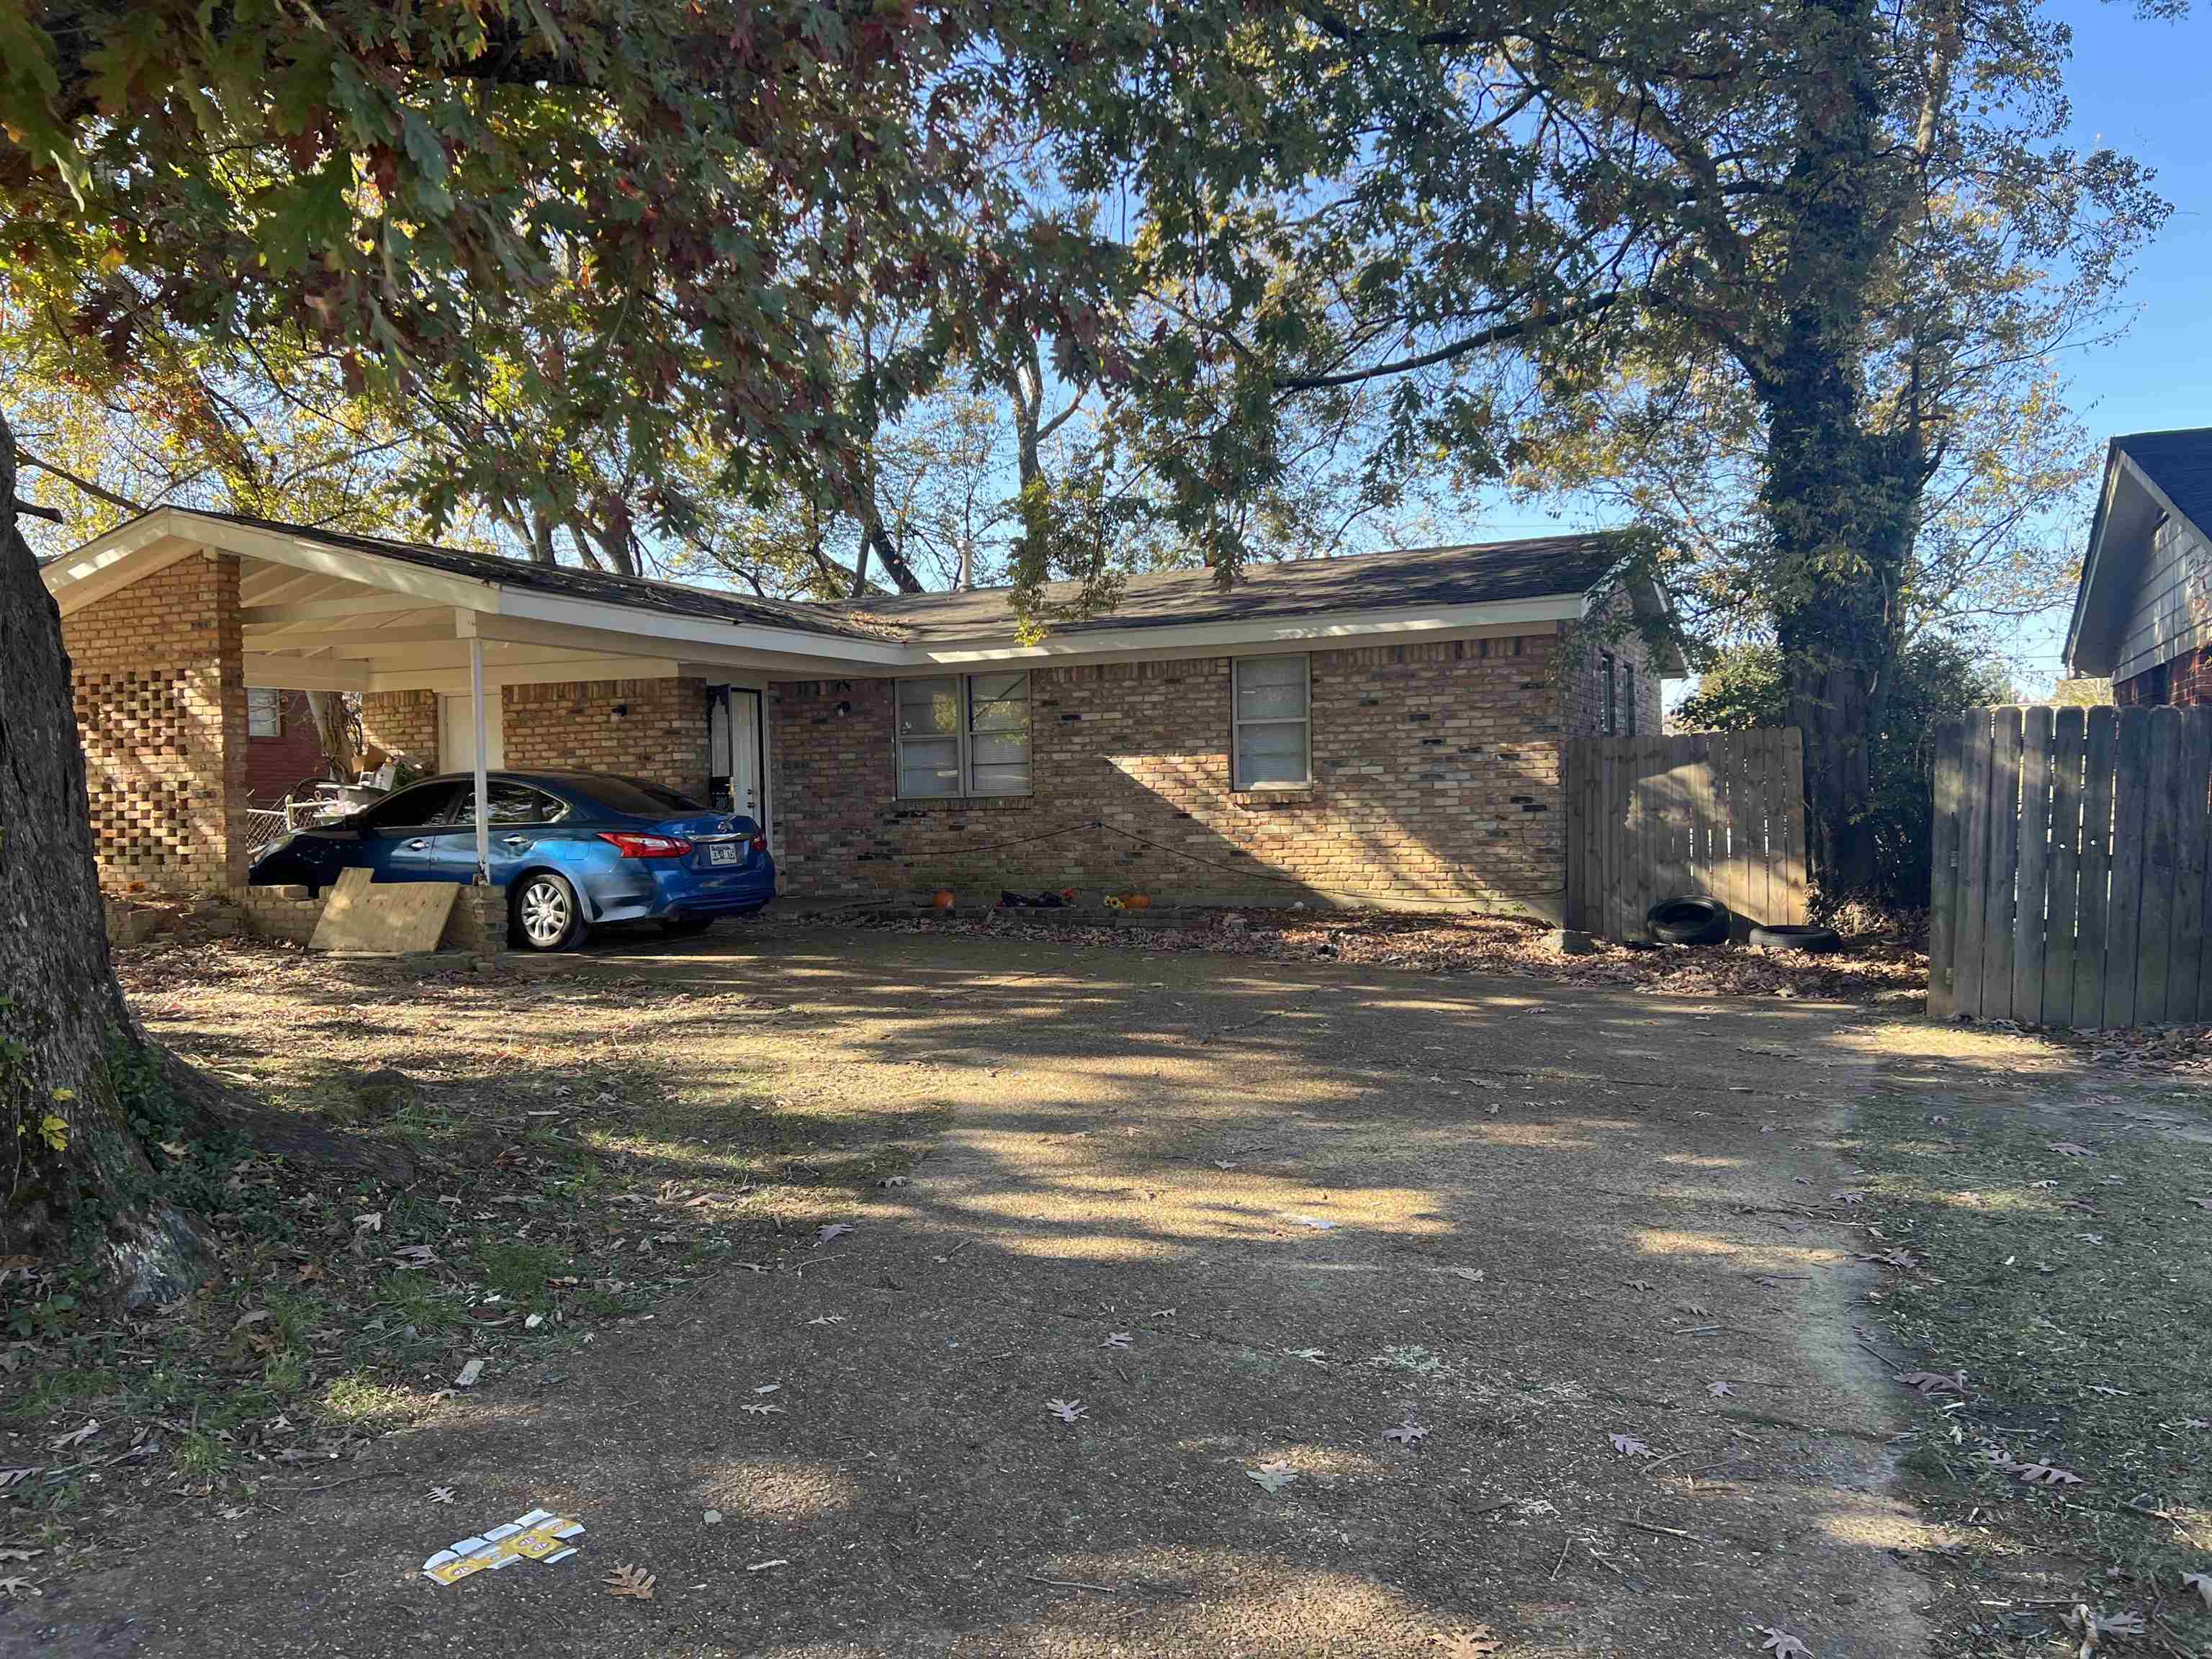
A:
482, 788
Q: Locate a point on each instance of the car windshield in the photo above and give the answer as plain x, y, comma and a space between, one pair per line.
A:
636, 796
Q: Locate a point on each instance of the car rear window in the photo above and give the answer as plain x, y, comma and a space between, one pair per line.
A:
635, 795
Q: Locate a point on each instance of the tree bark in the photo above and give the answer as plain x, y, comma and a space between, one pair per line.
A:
60, 1006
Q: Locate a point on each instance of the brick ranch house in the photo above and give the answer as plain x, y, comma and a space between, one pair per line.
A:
2142, 616
1382, 729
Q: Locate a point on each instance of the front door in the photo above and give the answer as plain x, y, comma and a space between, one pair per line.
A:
734, 745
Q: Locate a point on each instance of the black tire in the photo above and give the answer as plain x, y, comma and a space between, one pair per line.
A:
1688, 920
1791, 936
546, 913
685, 927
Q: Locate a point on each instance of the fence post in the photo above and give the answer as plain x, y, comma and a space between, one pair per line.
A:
1973, 862
2032, 902
2161, 873
2062, 877
2130, 821
2189, 994
2096, 901
1943, 870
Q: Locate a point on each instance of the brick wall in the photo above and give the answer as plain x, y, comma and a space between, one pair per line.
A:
159, 670
274, 764
1582, 680
402, 723
1435, 776
654, 729
2184, 682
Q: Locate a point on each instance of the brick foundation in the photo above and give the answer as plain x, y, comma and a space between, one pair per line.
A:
1436, 779
2184, 682
159, 671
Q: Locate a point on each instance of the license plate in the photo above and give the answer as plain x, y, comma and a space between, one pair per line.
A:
722, 854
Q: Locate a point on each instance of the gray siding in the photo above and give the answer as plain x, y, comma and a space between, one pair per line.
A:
2172, 611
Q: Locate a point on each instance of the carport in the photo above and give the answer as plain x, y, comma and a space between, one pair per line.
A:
218, 604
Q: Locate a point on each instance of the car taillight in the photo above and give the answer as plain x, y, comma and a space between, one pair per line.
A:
760, 841
645, 847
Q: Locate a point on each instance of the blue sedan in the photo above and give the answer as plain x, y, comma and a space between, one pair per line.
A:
571, 849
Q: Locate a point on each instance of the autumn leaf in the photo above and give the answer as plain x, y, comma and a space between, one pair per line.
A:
1934, 1381
1117, 1340
1782, 1644
1273, 1476
14, 1587
2043, 1474
1480, 1641
2202, 1203
1068, 1411
1629, 1446
636, 1582
1407, 1433
441, 1494
2071, 1149
830, 1229
75, 1436
1721, 1389
1849, 1197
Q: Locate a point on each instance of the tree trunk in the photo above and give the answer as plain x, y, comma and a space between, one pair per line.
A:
334, 730
75, 1162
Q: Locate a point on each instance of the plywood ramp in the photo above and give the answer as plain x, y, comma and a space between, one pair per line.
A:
391, 918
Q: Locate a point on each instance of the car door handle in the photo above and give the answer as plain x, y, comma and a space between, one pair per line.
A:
515, 840
418, 844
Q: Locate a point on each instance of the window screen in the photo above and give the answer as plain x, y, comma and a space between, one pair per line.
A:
265, 712
1272, 732
963, 735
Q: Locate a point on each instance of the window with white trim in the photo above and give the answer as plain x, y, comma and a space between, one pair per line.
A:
265, 712
963, 734
1272, 725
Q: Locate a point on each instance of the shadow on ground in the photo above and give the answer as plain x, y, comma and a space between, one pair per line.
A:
1250, 1216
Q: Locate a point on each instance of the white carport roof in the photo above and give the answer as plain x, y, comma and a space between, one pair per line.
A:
327, 610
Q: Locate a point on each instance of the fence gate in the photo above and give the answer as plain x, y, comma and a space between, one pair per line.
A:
2071, 855
1720, 814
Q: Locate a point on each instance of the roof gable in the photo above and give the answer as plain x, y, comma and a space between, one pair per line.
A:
2146, 474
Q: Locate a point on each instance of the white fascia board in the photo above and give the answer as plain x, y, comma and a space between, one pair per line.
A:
667, 629
557, 671
307, 673
1250, 636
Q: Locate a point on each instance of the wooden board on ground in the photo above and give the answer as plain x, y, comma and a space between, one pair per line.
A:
391, 918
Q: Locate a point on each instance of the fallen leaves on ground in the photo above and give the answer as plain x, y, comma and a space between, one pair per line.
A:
2201, 1583
2072, 1149
1720, 1388
1782, 1644
636, 1582
19, 1587
830, 1229
441, 1494
1068, 1411
2035, 1474
1117, 1340
1629, 1446
1273, 1476
75, 1436
1934, 1381
1477, 1641
1407, 1433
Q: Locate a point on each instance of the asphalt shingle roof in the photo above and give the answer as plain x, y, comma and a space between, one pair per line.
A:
2179, 463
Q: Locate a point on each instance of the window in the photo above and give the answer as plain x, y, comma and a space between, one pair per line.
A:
510, 803
1608, 716
1270, 724
1628, 694
963, 735
265, 712
424, 804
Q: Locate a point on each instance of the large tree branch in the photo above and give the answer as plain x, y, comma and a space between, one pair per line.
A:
1521, 328
70, 478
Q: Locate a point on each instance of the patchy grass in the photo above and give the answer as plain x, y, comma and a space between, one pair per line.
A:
580, 1152
2071, 1292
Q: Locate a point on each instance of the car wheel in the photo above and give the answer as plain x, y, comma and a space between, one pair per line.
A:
547, 916
685, 926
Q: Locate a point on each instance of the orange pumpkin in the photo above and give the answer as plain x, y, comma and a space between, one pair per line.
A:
1138, 902
942, 898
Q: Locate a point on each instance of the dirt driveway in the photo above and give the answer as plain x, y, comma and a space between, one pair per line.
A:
1251, 1217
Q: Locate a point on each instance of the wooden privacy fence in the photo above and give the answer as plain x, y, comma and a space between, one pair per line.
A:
2070, 854
1718, 814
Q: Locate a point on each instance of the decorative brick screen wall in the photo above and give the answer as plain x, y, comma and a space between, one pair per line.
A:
652, 729
402, 723
160, 677
1436, 777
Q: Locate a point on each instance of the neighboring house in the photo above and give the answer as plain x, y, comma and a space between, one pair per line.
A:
2143, 617
282, 748
1377, 729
